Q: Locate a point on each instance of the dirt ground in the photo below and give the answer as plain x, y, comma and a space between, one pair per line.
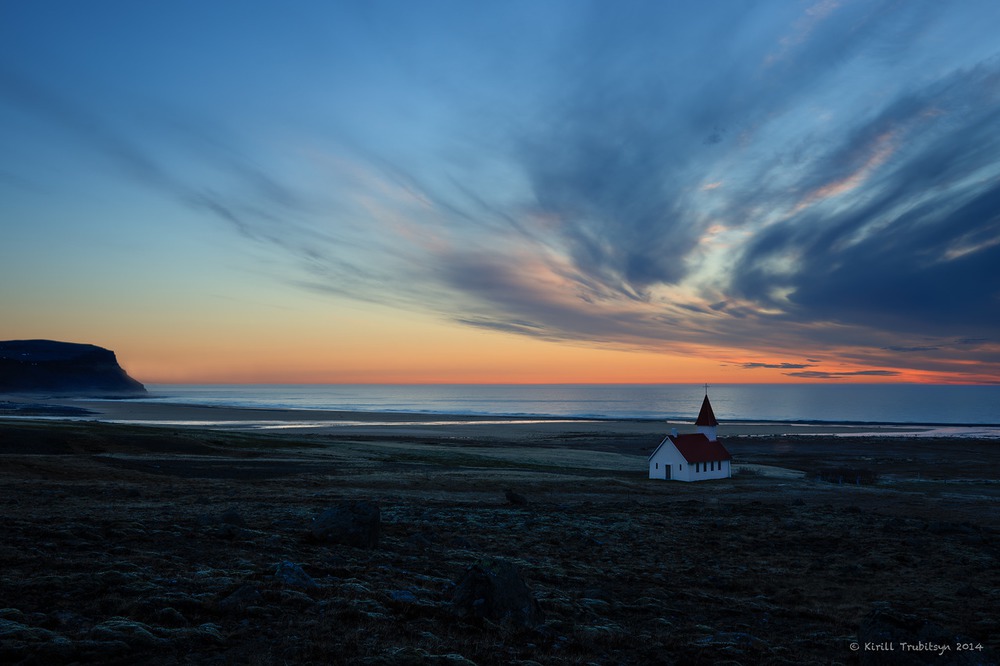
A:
126, 544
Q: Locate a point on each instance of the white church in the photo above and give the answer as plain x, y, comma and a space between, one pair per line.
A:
696, 456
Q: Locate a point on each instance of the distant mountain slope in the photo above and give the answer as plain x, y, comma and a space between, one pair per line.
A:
32, 366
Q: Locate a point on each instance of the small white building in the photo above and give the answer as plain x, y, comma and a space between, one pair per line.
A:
692, 457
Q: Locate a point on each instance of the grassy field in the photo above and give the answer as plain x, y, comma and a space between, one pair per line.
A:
126, 544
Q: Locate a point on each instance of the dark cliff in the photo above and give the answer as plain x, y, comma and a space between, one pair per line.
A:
31, 366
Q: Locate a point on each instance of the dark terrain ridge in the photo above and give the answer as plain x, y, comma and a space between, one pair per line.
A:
127, 545
48, 366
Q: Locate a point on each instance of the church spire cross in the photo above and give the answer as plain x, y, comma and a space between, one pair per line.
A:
706, 417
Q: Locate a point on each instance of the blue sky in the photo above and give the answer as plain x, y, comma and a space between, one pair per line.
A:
788, 190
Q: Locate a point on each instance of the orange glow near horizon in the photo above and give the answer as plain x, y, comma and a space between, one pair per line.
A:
227, 341
467, 357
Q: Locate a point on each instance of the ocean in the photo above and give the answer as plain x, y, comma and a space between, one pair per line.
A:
921, 404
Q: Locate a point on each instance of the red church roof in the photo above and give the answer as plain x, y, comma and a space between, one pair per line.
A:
706, 417
696, 448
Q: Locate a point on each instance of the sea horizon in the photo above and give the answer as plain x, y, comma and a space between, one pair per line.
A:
882, 403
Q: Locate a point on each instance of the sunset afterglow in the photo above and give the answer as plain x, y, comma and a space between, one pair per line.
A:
526, 192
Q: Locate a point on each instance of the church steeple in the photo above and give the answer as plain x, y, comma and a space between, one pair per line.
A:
707, 422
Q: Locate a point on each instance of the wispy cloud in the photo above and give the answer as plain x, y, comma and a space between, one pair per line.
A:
813, 16
255, 205
820, 374
780, 366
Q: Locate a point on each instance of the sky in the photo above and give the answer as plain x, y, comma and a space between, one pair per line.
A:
542, 191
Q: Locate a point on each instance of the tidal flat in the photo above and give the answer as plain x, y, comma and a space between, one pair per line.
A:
126, 544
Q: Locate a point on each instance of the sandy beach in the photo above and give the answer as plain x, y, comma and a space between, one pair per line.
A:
127, 542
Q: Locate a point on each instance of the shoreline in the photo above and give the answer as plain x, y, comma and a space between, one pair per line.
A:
138, 412
892, 453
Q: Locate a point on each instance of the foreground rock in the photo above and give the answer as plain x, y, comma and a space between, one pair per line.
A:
356, 523
494, 589
32, 366
292, 575
515, 499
